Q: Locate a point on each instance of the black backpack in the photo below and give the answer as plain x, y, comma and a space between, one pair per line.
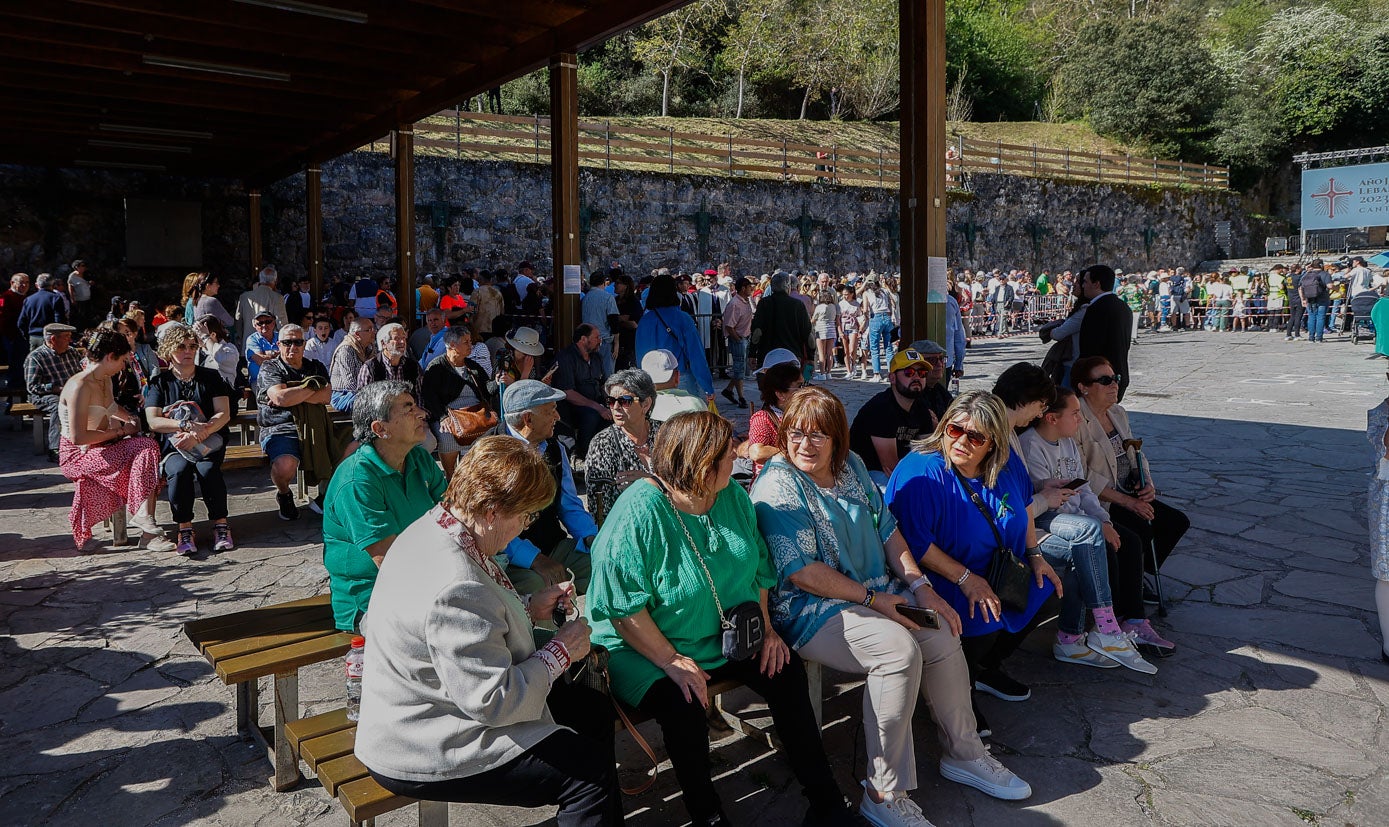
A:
1312, 288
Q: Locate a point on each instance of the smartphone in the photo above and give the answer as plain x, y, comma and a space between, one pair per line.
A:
1075, 483
920, 615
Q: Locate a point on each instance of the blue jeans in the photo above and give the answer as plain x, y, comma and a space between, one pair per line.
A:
879, 331
1076, 549
1316, 322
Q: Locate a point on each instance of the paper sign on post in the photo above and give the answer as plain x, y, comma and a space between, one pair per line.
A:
573, 280
936, 283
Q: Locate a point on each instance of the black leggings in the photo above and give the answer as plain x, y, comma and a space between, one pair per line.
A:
986, 653
685, 728
576, 770
1161, 534
1126, 573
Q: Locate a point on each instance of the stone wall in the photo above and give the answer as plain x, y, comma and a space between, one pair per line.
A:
492, 214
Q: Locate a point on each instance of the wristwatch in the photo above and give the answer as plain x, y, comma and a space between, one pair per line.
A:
1034, 551
923, 580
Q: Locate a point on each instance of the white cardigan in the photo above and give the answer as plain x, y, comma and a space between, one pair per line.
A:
1095, 447
450, 688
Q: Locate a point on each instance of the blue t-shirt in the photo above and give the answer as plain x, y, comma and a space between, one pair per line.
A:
255, 345
931, 506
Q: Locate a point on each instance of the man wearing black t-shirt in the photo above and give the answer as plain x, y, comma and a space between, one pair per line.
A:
280, 387
883, 429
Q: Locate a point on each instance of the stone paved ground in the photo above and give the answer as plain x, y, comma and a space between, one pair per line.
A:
1273, 712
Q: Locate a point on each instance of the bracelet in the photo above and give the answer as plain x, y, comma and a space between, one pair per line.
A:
868, 598
963, 578
1034, 551
923, 580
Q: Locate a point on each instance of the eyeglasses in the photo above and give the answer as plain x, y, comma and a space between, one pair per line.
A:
187, 346
292, 342
624, 401
975, 438
1106, 380
817, 439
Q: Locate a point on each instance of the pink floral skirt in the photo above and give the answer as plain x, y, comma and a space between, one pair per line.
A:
124, 472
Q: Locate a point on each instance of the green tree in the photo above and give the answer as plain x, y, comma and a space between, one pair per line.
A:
992, 38
1145, 81
678, 40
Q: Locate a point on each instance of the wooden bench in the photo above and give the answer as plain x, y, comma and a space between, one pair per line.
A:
272, 641
19, 410
243, 456
325, 743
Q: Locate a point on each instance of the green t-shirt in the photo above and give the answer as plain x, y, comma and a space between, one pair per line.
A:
368, 501
641, 560
1043, 284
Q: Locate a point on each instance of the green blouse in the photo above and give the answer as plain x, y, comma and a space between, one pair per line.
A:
368, 501
641, 560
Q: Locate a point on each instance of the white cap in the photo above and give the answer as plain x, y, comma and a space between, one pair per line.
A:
774, 357
660, 365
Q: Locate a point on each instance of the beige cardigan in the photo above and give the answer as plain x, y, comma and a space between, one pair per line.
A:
1095, 448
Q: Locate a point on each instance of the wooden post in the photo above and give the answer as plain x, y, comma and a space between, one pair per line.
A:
403, 140
313, 218
253, 233
564, 188
923, 198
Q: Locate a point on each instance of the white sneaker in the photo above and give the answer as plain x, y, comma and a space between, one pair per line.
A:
987, 776
156, 541
1079, 653
897, 810
1120, 648
145, 522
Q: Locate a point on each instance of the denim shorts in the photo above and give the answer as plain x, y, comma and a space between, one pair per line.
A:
279, 445
738, 352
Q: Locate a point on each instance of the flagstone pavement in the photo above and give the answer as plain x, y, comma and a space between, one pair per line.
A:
1272, 712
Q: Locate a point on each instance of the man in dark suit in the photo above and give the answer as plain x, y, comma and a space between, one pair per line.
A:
1108, 323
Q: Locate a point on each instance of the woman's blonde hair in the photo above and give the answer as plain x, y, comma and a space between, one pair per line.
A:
688, 447
172, 337
989, 416
500, 473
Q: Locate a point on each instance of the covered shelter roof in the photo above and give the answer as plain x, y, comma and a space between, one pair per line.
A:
257, 89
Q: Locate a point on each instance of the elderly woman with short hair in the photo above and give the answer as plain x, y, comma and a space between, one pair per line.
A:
378, 490
458, 702
620, 454
958, 496
843, 570
678, 553
457, 378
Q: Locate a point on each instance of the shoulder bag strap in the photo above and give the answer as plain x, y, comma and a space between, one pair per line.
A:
979, 504
718, 604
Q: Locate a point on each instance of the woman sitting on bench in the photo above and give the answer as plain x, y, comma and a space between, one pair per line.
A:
667, 544
458, 704
100, 449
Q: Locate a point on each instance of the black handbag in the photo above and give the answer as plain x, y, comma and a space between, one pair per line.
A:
1010, 578
742, 624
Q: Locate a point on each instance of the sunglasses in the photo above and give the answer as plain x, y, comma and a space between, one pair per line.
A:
975, 438
910, 372
1106, 380
292, 342
624, 401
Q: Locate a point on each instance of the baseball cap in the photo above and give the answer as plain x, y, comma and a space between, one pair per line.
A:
660, 365
264, 314
778, 356
911, 357
527, 394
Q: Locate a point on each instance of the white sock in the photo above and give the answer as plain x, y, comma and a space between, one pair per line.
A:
1382, 602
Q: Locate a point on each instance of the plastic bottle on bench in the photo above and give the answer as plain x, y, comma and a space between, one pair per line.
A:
356, 659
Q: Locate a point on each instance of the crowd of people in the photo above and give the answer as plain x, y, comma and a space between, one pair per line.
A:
493, 529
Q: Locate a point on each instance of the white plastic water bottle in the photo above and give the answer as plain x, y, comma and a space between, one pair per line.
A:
356, 659
954, 386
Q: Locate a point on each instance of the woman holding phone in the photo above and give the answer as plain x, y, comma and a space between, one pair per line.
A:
843, 572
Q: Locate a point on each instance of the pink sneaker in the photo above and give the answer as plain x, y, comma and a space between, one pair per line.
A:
223, 535
1145, 633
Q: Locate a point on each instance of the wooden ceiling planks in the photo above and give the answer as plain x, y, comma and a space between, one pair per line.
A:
328, 85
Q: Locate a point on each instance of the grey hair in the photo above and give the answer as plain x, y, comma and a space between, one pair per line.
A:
781, 282
373, 404
385, 331
457, 333
44, 281
433, 311
267, 275
359, 324
515, 421
637, 381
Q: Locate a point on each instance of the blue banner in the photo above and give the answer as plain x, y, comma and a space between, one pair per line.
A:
1339, 197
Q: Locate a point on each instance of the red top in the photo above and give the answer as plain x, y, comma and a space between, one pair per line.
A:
763, 428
